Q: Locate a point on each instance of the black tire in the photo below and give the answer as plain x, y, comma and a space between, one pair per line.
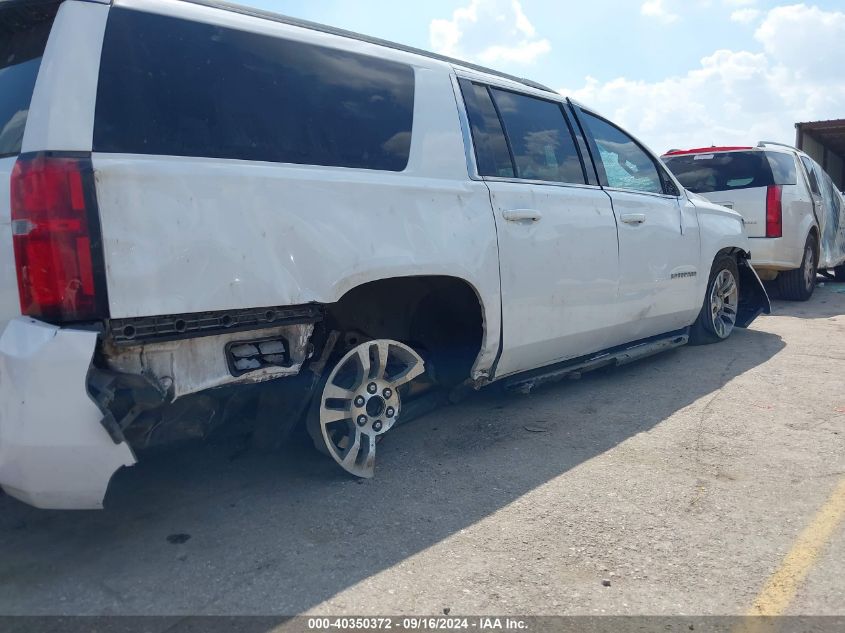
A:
704, 330
799, 284
839, 273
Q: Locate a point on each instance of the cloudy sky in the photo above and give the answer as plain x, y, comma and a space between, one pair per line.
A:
676, 73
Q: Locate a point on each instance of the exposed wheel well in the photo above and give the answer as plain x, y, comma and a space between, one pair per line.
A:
439, 316
732, 250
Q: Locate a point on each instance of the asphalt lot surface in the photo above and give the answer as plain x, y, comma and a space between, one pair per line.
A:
683, 480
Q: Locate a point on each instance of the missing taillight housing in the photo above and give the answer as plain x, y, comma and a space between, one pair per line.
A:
774, 211
54, 229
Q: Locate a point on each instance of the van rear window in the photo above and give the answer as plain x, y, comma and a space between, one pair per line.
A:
725, 171
24, 30
175, 87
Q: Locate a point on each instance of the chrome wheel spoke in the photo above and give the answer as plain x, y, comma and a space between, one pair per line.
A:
382, 350
363, 354
329, 415
333, 392
724, 301
347, 459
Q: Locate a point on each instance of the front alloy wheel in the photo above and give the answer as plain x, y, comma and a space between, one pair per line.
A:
717, 318
724, 301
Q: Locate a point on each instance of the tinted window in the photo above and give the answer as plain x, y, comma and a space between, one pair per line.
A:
724, 171
625, 163
783, 168
173, 87
811, 174
491, 148
540, 139
23, 38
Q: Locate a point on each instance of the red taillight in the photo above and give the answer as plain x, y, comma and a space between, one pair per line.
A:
774, 211
52, 239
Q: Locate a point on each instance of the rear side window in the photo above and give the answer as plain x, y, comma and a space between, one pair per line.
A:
174, 87
24, 30
725, 171
540, 139
491, 148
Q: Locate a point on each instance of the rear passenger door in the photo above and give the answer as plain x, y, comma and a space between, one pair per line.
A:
813, 183
556, 230
658, 233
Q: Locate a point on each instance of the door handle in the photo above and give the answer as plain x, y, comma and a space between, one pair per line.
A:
522, 215
633, 218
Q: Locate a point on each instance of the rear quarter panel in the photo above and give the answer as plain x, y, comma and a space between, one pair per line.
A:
186, 235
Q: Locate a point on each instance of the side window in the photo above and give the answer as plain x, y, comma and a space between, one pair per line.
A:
491, 148
625, 163
783, 168
174, 87
811, 175
540, 139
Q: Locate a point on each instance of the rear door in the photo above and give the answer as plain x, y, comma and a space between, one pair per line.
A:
813, 175
556, 229
24, 30
659, 251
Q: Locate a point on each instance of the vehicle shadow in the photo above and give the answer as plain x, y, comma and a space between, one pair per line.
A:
220, 530
827, 301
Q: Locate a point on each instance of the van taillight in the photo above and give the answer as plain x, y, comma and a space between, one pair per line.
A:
52, 239
774, 211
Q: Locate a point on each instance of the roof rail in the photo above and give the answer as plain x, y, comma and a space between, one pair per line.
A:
323, 28
764, 143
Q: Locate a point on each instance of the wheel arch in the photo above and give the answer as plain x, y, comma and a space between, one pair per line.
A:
753, 298
414, 307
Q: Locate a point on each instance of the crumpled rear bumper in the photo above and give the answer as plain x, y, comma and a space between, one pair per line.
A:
54, 453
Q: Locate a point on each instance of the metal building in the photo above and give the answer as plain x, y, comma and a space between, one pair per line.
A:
824, 141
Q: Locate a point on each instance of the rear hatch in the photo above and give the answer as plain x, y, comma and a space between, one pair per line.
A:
740, 179
24, 29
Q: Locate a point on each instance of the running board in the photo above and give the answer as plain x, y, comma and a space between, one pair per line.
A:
619, 356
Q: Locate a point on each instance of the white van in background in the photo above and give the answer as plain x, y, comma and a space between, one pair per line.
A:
792, 210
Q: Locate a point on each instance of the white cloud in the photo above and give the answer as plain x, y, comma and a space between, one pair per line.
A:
738, 97
745, 16
488, 31
656, 9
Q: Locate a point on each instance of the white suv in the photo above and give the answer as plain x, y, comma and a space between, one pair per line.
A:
221, 214
793, 212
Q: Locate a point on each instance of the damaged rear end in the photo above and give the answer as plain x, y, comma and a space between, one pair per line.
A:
80, 392
54, 452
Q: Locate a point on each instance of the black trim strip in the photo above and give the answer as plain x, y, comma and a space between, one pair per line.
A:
175, 327
95, 234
